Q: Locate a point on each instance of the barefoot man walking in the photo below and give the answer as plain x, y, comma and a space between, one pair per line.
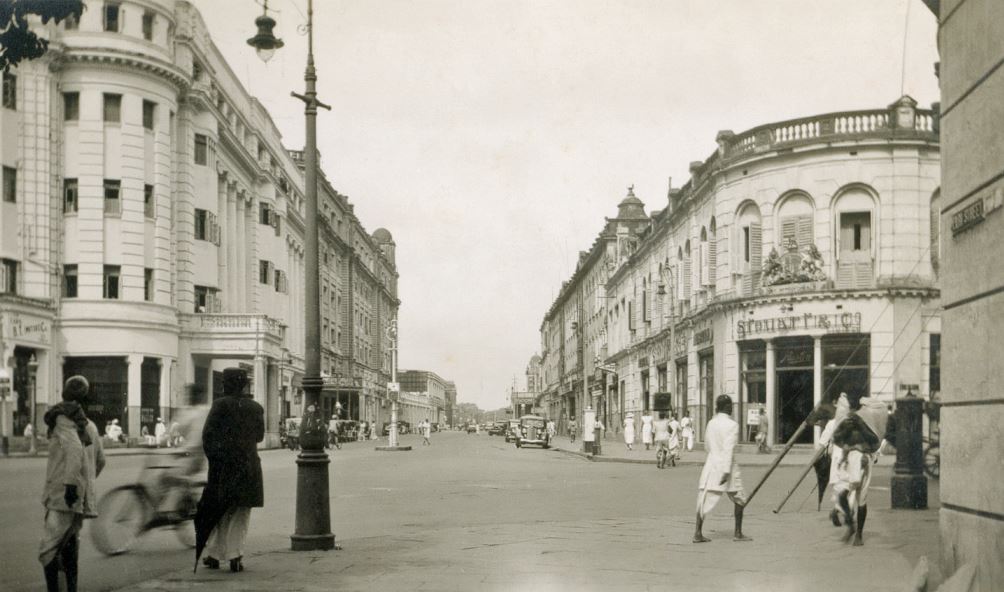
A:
721, 472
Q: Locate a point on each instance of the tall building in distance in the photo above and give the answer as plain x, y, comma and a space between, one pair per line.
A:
423, 396
151, 233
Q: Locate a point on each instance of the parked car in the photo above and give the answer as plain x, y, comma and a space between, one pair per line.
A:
402, 428
511, 430
497, 429
472, 428
533, 430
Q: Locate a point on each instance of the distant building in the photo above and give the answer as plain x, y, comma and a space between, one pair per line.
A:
423, 396
451, 404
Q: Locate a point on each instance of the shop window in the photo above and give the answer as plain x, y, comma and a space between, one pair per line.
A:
112, 108
111, 17
201, 149
149, 203
846, 367
9, 185
108, 378
71, 106
148, 284
8, 276
681, 386
934, 368
70, 281
113, 190
111, 281
706, 375
9, 91
149, 114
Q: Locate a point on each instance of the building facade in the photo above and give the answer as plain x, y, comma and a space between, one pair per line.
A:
152, 234
423, 396
972, 223
795, 264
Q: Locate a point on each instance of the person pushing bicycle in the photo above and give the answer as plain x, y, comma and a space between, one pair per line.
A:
662, 435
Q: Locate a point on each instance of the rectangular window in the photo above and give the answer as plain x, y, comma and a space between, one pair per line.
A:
113, 205
264, 271
206, 299
201, 224
934, 375
148, 284
8, 276
111, 17
148, 26
10, 185
70, 202
9, 91
110, 285
201, 149
71, 106
264, 213
149, 111
746, 244
112, 108
70, 281
149, 203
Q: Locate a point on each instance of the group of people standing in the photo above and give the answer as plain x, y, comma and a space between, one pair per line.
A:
666, 431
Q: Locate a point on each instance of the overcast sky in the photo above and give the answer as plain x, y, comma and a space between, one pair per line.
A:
491, 137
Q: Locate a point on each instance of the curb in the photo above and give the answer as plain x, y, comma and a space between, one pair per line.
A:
615, 459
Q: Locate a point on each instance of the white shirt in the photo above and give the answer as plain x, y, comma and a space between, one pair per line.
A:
720, 441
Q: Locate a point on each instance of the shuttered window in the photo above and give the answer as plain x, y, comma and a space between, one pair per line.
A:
797, 228
854, 265
754, 251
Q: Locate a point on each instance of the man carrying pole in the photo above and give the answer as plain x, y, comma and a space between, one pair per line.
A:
721, 472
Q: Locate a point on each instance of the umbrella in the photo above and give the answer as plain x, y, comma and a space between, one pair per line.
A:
207, 516
822, 467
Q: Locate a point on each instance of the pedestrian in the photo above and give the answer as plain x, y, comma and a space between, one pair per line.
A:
629, 430
75, 460
333, 429
233, 428
114, 432
859, 436
836, 454
426, 428
674, 440
571, 429
661, 436
687, 430
721, 471
761, 433
646, 429
29, 435
160, 432
598, 429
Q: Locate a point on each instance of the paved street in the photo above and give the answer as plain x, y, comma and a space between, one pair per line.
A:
472, 512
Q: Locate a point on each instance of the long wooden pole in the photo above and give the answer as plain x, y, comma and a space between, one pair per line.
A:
815, 457
777, 461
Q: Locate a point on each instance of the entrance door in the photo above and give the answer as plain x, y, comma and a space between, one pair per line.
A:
794, 403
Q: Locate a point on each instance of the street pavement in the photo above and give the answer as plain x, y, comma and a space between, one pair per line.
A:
474, 513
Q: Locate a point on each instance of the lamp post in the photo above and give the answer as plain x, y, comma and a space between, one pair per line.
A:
393, 391
666, 288
313, 511
32, 383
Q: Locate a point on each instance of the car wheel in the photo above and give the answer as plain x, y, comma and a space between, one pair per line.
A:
518, 445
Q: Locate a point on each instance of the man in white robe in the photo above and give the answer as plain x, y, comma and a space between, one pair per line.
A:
721, 472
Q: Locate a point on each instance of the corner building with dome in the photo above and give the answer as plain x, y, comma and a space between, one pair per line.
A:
151, 234
799, 261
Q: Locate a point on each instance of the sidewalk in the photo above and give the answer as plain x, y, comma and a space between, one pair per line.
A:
616, 451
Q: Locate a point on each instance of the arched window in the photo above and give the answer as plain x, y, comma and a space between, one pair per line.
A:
748, 256
854, 210
795, 220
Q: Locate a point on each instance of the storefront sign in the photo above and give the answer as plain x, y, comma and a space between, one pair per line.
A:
702, 336
967, 217
26, 328
845, 322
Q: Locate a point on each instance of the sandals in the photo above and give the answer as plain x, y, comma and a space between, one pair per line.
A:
237, 565
211, 563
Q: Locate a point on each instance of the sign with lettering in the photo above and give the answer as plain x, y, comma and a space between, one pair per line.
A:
967, 217
841, 322
24, 328
702, 336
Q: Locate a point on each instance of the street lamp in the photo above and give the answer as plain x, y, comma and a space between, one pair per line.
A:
393, 392
313, 511
666, 287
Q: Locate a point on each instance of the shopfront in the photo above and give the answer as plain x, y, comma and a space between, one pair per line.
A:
24, 345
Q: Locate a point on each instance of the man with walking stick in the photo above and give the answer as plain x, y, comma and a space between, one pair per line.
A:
721, 472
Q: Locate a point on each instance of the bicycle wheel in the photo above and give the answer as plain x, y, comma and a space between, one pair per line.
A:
932, 461
185, 529
122, 516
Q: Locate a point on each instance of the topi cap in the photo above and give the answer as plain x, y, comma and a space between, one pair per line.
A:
234, 381
75, 388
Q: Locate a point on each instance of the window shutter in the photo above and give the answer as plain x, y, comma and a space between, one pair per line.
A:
646, 312
631, 314
756, 255
680, 294
863, 271
803, 232
278, 224
705, 264
789, 229
712, 261
3, 279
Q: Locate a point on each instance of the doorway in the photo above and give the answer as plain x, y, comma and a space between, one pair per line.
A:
794, 388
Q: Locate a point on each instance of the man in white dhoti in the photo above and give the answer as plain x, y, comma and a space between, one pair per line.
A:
859, 437
721, 472
75, 460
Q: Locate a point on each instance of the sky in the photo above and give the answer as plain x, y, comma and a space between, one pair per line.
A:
492, 137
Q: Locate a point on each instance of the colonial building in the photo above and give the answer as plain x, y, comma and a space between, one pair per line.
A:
798, 262
423, 396
151, 232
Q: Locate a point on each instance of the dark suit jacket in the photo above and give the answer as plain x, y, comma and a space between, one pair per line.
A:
233, 429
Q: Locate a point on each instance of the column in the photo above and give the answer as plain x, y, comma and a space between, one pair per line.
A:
240, 289
222, 265
135, 362
817, 379
231, 250
260, 381
771, 399
164, 395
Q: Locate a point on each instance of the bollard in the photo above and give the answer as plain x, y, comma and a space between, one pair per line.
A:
909, 484
597, 446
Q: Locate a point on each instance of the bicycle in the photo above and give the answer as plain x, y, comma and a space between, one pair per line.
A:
128, 511
932, 456
663, 456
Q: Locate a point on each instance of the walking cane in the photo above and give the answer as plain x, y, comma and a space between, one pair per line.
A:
801, 478
777, 461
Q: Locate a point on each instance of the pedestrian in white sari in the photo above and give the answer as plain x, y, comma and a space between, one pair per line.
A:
721, 472
687, 430
646, 429
629, 430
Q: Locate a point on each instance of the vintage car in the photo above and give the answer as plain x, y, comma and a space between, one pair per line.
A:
511, 429
532, 430
472, 428
497, 429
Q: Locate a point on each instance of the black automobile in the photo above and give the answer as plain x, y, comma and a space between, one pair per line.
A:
497, 429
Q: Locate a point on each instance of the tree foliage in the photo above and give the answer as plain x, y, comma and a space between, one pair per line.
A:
17, 41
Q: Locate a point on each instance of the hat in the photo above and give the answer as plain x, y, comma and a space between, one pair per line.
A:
75, 388
234, 381
159, 419
630, 414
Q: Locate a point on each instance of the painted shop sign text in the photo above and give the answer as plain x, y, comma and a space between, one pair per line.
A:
845, 322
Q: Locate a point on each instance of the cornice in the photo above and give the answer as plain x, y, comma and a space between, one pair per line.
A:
133, 61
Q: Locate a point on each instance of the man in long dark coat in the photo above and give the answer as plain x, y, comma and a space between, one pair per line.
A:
236, 423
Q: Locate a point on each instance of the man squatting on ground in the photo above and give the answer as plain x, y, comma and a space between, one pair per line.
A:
721, 472
75, 460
